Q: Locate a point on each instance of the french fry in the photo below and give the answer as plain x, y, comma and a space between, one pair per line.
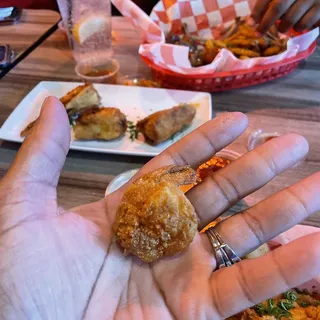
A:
244, 52
214, 44
209, 45
219, 44
271, 51
234, 36
239, 38
247, 31
243, 43
263, 42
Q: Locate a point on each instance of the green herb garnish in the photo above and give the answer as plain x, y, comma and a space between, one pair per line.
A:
132, 129
285, 305
290, 295
270, 304
260, 309
278, 311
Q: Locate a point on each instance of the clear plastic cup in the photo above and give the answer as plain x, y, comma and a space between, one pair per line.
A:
259, 137
120, 181
88, 26
98, 71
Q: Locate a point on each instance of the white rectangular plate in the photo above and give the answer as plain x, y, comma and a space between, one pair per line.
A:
135, 102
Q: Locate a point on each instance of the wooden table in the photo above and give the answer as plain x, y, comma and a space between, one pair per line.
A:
32, 25
291, 104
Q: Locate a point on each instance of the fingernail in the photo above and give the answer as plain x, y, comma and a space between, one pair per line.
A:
46, 100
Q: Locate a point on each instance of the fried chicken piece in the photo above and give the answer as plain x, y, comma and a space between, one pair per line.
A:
162, 125
74, 101
155, 219
100, 123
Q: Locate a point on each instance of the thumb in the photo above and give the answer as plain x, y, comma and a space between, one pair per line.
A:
42, 155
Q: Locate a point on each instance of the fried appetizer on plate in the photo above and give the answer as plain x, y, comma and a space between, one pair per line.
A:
155, 218
80, 98
100, 124
74, 101
162, 125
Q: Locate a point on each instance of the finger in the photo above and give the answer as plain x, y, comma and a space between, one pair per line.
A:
310, 19
42, 154
259, 9
253, 281
295, 13
250, 229
275, 11
224, 188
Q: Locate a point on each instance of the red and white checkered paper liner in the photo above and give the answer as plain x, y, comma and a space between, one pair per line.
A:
204, 18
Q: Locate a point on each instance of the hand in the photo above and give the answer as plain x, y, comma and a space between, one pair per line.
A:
59, 264
300, 14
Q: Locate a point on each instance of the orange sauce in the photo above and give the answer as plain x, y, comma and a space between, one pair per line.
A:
213, 165
98, 73
269, 138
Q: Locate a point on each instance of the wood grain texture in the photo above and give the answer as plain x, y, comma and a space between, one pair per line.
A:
33, 24
291, 104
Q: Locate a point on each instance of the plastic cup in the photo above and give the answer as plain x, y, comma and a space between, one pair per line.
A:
98, 71
120, 181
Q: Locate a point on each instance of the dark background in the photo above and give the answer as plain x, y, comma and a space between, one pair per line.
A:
146, 5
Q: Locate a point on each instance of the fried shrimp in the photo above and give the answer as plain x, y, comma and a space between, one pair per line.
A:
155, 219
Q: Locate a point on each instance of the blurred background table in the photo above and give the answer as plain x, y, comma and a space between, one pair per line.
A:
33, 25
291, 104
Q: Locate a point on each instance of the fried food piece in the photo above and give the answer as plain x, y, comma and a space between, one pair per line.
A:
81, 97
74, 101
244, 52
212, 44
155, 219
271, 51
293, 304
243, 43
247, 31
100, 123
162, 125
210, 55
212, 48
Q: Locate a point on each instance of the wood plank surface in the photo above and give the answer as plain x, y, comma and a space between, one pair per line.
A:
32, 25
291, 104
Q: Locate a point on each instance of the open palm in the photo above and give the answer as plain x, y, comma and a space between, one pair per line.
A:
66, 265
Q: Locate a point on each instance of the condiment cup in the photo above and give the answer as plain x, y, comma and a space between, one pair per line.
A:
120, 181
84, 68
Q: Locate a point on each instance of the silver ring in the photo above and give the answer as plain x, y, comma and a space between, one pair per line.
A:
225, 256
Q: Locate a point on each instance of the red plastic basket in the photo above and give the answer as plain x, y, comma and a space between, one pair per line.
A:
223, 81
